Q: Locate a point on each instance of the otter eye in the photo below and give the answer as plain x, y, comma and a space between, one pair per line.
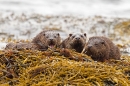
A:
81, 36
54, 36
47, 37
102, 42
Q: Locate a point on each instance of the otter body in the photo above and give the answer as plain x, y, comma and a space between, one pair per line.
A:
10, 46
21, 46
47, 38
102, 49
75, 41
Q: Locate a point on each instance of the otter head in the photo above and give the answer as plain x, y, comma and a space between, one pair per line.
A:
96, 48
51, 39
77, 41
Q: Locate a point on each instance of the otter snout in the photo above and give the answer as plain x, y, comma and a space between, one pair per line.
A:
89, 46
77, 38
51, 40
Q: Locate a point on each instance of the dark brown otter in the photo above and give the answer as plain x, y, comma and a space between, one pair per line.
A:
46, 39
21, 46
28, 46
102, 49
75, 41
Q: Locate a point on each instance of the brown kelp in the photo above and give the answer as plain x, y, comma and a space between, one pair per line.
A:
55, 68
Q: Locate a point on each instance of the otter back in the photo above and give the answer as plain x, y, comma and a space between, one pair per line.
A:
10, 46
21, 46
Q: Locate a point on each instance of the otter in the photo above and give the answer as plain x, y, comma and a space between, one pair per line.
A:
27, 46
75, 41
21, 46
46, 39
42, 41
102, 49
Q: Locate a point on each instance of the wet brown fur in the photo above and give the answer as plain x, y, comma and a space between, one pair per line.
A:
75, 41
10, 46
102, 49
21, 46
47, 38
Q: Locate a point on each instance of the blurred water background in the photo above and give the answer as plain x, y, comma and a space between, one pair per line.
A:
23, 19
110, 8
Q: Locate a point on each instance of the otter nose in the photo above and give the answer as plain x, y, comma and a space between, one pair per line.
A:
89, 46
51, 39
77, 38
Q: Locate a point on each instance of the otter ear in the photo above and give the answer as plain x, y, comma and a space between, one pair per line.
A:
70, 35
44, 34
58, 34
85, 34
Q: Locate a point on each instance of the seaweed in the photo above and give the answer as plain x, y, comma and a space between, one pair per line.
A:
54, 68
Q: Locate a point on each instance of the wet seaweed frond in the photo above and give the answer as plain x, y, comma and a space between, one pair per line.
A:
54, 68
123, 28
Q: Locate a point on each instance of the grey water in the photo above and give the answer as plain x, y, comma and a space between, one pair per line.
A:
109, 8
